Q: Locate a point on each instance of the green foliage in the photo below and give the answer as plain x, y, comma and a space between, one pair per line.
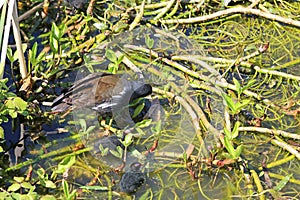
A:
104, 151
65, 164
229, 136
118, 153
55, 37
44, 179
19, 184
235, 106
128, 140
67, 194
149, 41
113, 67
85, 131
138, 110
10, 103
240, 89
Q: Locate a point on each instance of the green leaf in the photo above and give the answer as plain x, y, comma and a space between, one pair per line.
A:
128, 140
120, 59
65, 188
13, 114
19, 179
32, 54
65, 164
20, 103
144, 123
112, 68
82, 123
1, 133
238, 151
90, 129
53, 44
103, 151
227, 133
235, 131
14, 187
10, 55
72, 195
138, 110
62, 30
120, 151
237, 85
49, 184
149, 41
110, 55
40, 57
116, 153
241, 105
229, 147
283, 182
41, 174
229, 101
26, 185
249, 84
55, 31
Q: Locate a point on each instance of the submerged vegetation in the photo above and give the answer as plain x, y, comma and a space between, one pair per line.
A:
222, 122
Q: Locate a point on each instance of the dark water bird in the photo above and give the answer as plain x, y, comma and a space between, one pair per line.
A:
102, 92
132, 179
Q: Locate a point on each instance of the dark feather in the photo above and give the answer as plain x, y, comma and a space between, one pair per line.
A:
100, 91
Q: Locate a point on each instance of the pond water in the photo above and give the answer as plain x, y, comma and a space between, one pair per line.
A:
168, 174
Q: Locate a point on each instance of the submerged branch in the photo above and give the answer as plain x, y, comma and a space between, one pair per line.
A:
234, 10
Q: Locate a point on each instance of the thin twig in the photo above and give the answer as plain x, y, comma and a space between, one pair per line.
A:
237, 9
287, 147
165, 10
271, 131
138, 17
17, 36
277, 73
31, 11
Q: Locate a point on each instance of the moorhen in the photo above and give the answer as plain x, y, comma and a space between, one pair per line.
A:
102, 92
